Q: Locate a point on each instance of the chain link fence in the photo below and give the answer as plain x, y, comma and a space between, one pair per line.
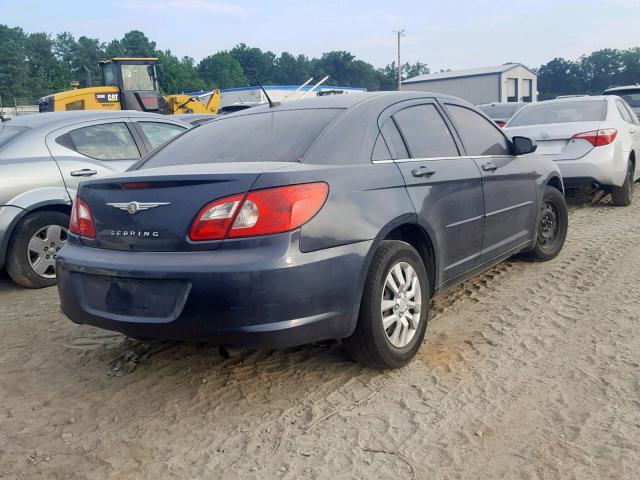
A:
14, 106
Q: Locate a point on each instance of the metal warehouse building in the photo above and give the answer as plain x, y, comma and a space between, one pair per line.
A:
505, 83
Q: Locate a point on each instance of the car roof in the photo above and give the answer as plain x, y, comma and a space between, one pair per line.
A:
623, 88
344, 101
493, 104
59, 119
582, 98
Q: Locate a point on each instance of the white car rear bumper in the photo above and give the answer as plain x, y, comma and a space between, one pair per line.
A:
605, 166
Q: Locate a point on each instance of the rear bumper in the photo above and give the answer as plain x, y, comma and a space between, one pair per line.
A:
251, 293
601, 166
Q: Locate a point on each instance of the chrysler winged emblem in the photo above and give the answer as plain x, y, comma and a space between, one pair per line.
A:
135, 207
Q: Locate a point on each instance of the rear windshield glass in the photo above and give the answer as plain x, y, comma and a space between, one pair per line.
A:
281, 136
8, 133
561, 112
499, 111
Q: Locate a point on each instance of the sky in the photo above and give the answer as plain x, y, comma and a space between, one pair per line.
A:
443, 34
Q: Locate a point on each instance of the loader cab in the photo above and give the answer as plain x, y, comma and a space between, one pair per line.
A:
137, 81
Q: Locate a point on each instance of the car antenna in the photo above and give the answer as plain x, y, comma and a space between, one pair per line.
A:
271, 103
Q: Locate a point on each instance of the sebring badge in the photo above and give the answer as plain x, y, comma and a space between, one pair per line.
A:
135, 207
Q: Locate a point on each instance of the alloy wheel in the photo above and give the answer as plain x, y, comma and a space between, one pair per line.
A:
401, 304
43, 249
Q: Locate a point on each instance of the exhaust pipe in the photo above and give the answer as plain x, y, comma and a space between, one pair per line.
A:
87, 76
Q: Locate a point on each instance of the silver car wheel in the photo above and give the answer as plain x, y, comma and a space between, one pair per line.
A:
43, 249
401, 304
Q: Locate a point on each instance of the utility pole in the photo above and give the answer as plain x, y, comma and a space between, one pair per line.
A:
400, 33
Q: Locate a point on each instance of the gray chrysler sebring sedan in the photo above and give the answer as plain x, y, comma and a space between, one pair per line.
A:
327, 218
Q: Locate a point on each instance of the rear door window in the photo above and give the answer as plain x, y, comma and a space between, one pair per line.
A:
561, 112
632, 114
158, 133
425, 132
623, 111
380, 150
394, 140
479, 136
107, 141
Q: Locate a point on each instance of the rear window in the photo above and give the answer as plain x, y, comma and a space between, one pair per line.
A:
281, 136
561, 112
504, 110
8, 133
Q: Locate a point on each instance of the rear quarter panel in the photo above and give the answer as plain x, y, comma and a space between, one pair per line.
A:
365, 202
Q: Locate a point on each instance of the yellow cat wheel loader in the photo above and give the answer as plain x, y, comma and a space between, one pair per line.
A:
129, 84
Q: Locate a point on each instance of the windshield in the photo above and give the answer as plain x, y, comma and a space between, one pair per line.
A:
282, 136
560, 112
8, 133
504, 110
137, 77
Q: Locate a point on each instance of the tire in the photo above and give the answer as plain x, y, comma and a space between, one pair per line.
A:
623, 196
20, 256
373, 345
552, 228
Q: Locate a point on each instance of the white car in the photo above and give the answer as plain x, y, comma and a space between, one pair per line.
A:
595, 140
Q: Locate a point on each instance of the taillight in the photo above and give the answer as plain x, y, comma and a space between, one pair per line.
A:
500, 123
261, 212
81, 219
598, 138
214, 220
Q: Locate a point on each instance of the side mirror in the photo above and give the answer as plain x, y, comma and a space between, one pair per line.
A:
523, 145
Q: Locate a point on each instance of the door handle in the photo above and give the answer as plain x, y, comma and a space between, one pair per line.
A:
85, 172
489, 167
632, 130
422, 171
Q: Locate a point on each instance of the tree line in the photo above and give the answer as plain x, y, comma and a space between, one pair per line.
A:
589, 74
36, 64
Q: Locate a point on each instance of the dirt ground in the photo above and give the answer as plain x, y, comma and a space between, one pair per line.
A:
530, 371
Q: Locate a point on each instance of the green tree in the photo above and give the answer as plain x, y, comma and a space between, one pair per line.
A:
343, 69
389, 74
178, 75
222, 70
255, 62
136, 44
600, 69
560, 77
630, 60
291, 70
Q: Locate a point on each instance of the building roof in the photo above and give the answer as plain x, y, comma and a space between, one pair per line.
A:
127, 59
469, 72
294, 87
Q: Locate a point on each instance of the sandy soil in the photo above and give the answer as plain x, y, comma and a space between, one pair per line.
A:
531, 371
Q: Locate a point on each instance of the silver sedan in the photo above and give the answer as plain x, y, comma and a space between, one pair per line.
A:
43, 158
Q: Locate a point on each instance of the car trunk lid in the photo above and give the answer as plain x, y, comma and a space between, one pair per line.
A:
555, 140
153, 209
